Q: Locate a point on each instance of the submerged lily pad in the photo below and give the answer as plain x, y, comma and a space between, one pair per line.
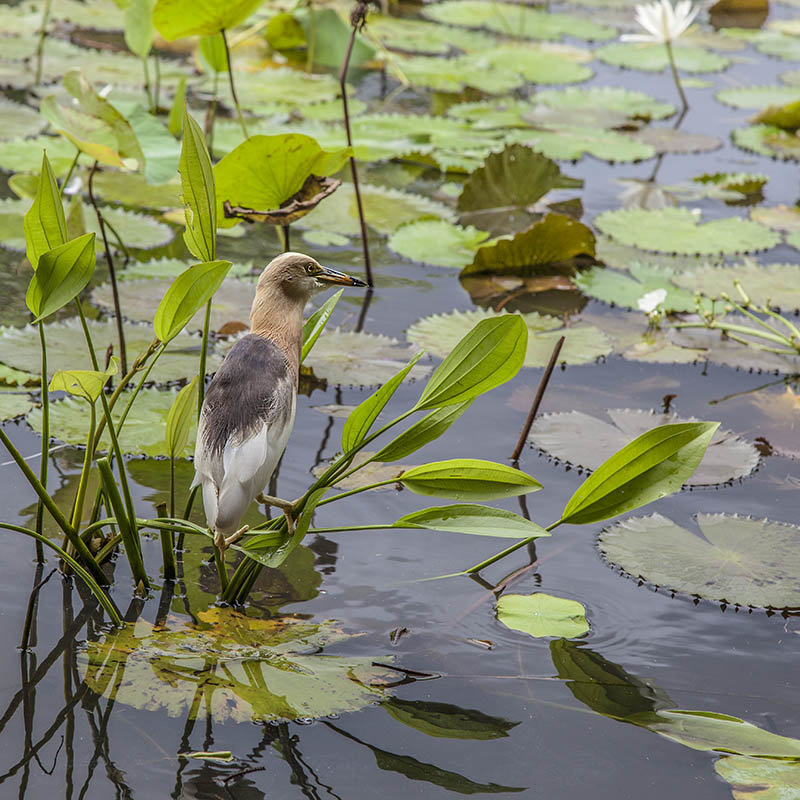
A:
541, 614
144, 431
359, 359
440, 333
744, 561
247, 669
586, 441
66, 348
678, 230
438, 242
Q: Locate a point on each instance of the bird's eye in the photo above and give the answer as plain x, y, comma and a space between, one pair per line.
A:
310, 269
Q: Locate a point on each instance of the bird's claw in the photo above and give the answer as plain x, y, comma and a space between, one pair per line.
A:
223, 543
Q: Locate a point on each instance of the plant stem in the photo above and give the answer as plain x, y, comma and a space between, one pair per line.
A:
112, 274
211, 115
349, 528
167, 546
45, 392
77, 511
675, 76
353, 168
357, 491
722, 326
507, 551
147, 89
42, 36
219, 561
201, 383
157, 89
233, 88
526, 428
312, 37
104, 600
73, 164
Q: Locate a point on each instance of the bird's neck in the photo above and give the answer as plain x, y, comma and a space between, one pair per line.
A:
280, 319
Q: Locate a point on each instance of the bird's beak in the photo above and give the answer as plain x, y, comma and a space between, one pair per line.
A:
329, 275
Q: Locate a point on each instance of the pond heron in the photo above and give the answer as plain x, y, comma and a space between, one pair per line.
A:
249, 408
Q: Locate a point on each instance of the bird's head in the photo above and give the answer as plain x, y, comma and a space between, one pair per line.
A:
300, 277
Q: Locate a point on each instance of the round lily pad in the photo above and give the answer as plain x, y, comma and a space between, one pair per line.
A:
66, 348
586, 441
779, 218
19, 120
13, 404
419, 36
678, 230
669, 140
756, 97
610, 98
574, 141
437, 242
440, 333
759, 778
25, 155
172, 267
653, 57
249, 669
360, 359
741, 561
768, 140
541, 614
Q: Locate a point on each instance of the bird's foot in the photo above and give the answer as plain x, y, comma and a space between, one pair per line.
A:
223, 543
234, 537
286, 506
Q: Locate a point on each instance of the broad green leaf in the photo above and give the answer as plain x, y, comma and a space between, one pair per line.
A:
359, 422
443, 720
94, 125
653, 465
742, 561
84, 383
45, 224
678, 230
468, 478
284, 32
541, 614
177, 18
331, 36
182, 415
438, 242
474, 520
139, 30
315, 324
187, 294
158, 146
587, 441
212, 51
61, 276
488, 356
197, 179
175, 120
430, 427
285, 163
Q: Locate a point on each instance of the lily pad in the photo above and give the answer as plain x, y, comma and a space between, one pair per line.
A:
66, 348
131, 189
678, 230
515, 20
768, 140
624, 290
621, 256
172, 267
586, 441
19, 120
628, 102
419, 36
775, 284
440, 333
555, 240
14, 405
541, 615
360, 359
247, 669
669, 140
437, 242
574, 141
740, 560
374, 472
779, 218
653, 57
759, 778
25, 155
757, 97
144, 431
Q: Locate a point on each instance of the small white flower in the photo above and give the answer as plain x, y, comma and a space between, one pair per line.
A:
663, 22
651, 301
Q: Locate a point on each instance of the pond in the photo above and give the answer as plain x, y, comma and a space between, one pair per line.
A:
363, 665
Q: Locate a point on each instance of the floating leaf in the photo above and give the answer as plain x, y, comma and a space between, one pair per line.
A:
572, 142
66, 348
541, 614
653, 57
286, 162
437, 242
626, 102
586, 441
768, 140
439, 333
757, 97
158, 145
14, 405
758, 778
777, 285
418, 36
510, 19
248, 669
741, 560
472, 519
132, 189
670, 140
19, 120
359, 359
678, 230
555, 240
368, 472
171, 268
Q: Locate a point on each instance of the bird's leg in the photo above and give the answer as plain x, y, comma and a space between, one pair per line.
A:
224, 543
284, 505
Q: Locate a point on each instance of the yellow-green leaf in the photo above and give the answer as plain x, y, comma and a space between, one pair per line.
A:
45, 224
470, 478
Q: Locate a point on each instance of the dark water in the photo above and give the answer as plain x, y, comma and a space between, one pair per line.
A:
59, 738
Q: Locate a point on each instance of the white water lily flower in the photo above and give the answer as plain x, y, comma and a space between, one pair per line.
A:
652, 300
663, 22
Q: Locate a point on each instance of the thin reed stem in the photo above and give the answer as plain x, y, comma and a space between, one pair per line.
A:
233, 87
675, 76
40, 45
